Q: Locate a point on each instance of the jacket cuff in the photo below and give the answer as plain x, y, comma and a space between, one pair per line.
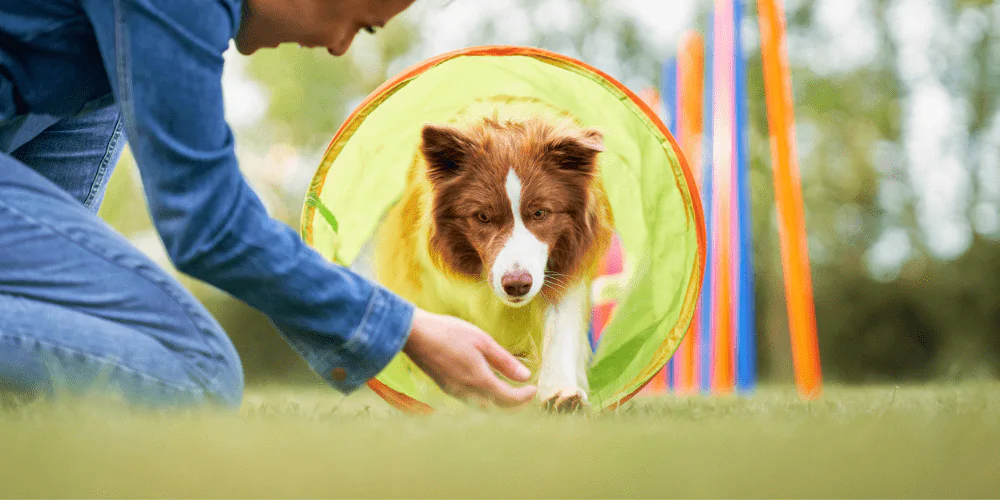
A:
380, 336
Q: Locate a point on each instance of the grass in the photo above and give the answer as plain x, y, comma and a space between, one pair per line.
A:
928, 441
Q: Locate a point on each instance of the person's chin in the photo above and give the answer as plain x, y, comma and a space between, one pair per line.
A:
244, 47
249, 46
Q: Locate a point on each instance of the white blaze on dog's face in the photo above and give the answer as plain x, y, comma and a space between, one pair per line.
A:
518, 272
512, 203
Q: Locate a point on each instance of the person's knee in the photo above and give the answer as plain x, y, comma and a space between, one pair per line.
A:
231, 393
225, 385
197, 339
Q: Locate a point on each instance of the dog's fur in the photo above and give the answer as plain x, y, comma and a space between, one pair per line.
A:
502, 224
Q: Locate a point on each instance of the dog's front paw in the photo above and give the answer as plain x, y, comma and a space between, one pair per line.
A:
564, 400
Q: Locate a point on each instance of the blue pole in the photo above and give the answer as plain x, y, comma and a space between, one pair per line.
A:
590, 335
668, 94
705, 345
746, 355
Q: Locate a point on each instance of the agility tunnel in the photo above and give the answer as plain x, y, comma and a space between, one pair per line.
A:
657, 209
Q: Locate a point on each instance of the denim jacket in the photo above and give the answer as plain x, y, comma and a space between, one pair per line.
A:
162, 61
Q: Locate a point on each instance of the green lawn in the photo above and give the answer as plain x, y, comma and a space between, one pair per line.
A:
873, 442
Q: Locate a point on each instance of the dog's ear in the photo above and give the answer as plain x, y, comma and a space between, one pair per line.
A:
577, 150
445, 148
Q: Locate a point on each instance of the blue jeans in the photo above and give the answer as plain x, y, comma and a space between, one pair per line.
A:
81, 309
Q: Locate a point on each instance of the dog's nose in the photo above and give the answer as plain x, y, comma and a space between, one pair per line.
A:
516, 283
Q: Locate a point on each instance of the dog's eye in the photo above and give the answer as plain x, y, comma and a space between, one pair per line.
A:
485, 219
540, 214
370, 29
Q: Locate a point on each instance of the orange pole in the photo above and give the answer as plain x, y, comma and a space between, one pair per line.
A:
658, 384
690, 90
723, 157
788, 198
651, 97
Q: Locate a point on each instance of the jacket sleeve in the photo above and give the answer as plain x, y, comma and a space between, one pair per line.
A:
164, 61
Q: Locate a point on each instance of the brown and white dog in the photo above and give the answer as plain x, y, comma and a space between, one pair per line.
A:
502, 224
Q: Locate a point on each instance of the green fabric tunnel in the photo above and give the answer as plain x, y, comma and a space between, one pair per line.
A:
652, 194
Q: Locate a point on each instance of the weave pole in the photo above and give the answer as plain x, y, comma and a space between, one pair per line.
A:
662, 380
788, 200
668, 94
724, 209
690, 81
706, 341
746, 334
679, 366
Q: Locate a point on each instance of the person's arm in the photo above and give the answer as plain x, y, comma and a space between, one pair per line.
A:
164, 61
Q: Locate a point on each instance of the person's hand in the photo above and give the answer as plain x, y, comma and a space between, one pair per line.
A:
459, 357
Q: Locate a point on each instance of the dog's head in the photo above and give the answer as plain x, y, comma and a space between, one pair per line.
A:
513, 203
